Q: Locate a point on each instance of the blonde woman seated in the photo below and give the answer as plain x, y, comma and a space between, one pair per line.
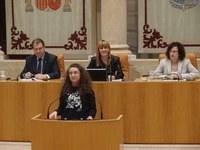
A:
176, 66
104, 59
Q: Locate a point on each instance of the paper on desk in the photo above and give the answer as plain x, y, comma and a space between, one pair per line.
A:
29, 80
174, 80
117, 80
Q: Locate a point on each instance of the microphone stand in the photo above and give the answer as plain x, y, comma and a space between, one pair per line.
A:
101, 110
50, 106
17, 79
110, 69
52, 103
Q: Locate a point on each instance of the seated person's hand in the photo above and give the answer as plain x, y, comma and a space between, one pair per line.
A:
28, 75
53, 115
41, 76
89, 118
173, 76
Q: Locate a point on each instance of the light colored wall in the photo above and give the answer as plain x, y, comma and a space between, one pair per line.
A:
137, 67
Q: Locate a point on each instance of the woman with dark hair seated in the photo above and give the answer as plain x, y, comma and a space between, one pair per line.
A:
176, 66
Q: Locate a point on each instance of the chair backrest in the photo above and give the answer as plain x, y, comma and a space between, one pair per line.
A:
124, 63
61, 63
189, 55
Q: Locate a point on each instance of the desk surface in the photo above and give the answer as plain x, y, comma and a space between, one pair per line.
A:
154, 112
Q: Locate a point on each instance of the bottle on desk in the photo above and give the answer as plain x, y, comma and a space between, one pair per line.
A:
151, 75
109, 78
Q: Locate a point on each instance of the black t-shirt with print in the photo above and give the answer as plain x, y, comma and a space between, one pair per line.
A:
75, 107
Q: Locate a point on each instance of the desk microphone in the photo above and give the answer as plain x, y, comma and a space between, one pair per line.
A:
110, 69
101, 112
17, 78
54, 102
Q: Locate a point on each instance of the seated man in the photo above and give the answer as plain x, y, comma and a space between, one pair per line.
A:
41, 65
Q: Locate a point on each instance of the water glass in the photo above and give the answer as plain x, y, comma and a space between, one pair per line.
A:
151, 75
2, 75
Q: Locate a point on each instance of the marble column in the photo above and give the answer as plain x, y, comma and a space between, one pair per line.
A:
1, 54
114, 24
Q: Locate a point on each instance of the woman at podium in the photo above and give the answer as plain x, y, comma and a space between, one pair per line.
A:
77, 99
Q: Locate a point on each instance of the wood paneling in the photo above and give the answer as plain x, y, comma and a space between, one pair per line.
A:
154, 112
19, 102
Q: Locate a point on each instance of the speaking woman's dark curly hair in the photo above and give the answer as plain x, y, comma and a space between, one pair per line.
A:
84, 84
181, 50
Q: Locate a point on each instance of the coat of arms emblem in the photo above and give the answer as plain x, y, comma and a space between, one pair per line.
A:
183, 4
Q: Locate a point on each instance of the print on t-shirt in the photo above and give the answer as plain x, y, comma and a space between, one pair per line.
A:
74, 101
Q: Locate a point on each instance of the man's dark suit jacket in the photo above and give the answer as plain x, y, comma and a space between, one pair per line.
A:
114, 68
50, 66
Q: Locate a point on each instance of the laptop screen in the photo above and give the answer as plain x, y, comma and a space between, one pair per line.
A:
97, 74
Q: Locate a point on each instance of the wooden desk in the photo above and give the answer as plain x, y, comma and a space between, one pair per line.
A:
154, 112
19, 102
76, 135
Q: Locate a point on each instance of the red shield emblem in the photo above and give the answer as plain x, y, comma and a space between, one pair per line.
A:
41, 4
44, 4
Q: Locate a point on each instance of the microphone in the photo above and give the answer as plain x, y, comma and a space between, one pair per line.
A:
17, 78
100, 106
145, 75
110, 69
54, 102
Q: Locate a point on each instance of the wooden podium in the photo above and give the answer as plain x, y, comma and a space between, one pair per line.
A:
76, 135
